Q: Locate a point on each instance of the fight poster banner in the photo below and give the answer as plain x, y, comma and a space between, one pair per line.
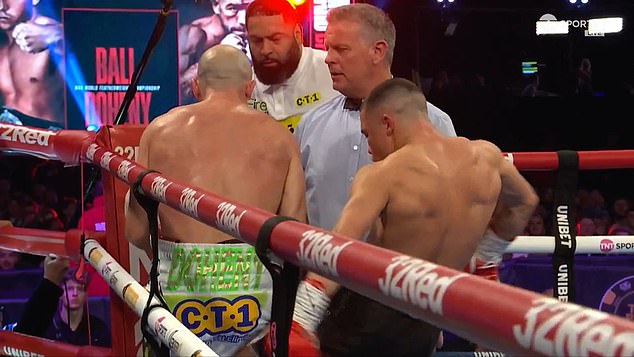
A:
103, 47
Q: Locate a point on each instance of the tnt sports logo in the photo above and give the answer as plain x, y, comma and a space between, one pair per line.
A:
606, 245
572, 23
577, 24
619, 298
219, 315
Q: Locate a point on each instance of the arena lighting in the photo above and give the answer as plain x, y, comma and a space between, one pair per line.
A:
445, 3
605, 25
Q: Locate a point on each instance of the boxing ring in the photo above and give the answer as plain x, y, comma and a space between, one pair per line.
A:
498, 316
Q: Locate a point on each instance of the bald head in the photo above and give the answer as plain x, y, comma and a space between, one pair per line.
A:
222, 68
398, 97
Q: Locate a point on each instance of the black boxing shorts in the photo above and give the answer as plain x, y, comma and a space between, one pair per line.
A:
16, 117
357, 326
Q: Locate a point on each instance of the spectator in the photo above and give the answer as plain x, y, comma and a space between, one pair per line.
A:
597, 200
48, 219
13, 212
602, 220
620, 207
37, 193
584, 79
630, 219
29, 213
531, 88
9, 259
68, 209
536, 226
46, 315
586, 227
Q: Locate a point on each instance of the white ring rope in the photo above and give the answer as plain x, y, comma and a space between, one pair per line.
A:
163, 324
585, 245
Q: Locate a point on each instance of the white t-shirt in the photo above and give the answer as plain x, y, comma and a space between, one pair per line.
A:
309, 86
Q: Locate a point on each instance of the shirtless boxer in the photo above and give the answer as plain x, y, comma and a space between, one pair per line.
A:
30, 82
225, 26
426, 195
216, 286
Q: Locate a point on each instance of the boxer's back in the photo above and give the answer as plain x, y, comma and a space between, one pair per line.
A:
232, 151
441, 197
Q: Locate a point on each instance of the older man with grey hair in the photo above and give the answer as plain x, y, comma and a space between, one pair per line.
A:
360, 41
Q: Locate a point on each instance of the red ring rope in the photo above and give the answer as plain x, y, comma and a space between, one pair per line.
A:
16, 344
588, 160
499, 316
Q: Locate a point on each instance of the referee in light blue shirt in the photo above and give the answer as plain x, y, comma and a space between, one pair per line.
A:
329, 136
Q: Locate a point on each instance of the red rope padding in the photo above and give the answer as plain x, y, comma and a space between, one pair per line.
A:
64, 145
16, 344
494, 315
588, 160
44, 242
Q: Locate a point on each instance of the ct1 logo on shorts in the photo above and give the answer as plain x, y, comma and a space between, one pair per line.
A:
219, 315
619, 298
606, 245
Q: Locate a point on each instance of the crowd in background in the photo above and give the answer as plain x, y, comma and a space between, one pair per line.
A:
45, 195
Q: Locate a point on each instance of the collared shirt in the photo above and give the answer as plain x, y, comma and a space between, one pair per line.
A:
333, 150
309, 85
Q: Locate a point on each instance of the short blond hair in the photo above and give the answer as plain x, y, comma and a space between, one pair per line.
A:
373, 21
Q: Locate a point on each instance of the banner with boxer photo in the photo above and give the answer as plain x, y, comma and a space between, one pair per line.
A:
103, 47
31, 45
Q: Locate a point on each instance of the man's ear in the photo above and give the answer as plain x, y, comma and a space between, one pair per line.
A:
248, 90
298, 34
378, 51
196, 89
389, 122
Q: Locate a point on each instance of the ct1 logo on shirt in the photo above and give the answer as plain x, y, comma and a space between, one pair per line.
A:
307, 99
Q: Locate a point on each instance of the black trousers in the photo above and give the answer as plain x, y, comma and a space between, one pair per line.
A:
358, 326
